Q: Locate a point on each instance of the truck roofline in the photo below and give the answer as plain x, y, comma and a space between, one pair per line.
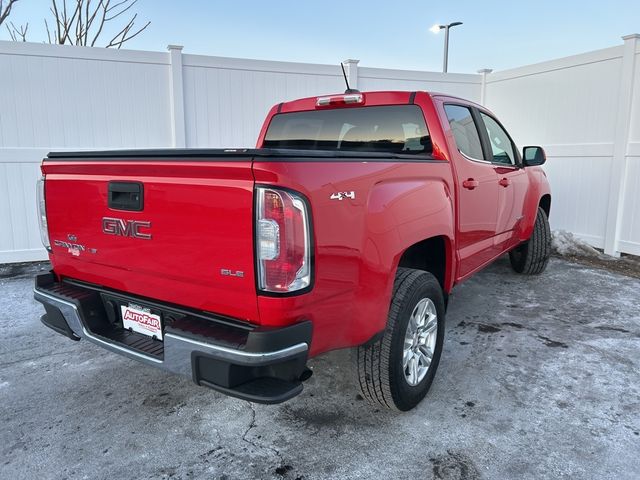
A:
410, 93
455, 98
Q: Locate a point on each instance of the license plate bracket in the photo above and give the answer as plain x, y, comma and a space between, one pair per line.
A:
141, 320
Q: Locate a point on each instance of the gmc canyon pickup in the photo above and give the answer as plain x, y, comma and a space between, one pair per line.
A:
346, 227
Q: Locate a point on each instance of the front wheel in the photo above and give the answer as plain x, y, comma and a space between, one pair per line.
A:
397, 370
532, 256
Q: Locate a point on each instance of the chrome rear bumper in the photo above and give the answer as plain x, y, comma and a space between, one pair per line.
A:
251, 366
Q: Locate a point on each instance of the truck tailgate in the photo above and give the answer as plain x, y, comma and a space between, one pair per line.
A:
190, 243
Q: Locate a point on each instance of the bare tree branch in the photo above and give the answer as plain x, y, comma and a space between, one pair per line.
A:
121, 33
123, 36
6, 10
46, 25
91, 16
68, 22
103, 20
18, 34
87, 20
117, 14
74, 23
80, 22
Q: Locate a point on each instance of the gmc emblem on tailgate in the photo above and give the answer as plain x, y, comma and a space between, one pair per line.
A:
125, 228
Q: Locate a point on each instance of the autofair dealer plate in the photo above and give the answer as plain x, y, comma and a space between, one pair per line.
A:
141, 320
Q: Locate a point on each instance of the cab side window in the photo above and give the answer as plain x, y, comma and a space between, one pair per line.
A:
501, 145
464, 131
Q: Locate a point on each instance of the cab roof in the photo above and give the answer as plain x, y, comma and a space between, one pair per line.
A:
369, 98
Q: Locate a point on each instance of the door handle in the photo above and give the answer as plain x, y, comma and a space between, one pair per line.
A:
505, 182
126, 196
470, 184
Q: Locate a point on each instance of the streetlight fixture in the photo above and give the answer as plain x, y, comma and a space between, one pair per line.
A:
435, 29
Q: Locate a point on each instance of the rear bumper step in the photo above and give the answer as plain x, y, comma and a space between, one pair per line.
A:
262, 365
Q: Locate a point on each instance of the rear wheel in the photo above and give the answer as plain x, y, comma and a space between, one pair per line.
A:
397, 370
532, 256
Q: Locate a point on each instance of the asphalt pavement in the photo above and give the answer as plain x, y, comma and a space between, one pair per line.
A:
540, 378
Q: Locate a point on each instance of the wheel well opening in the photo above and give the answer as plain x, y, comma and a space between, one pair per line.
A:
545, 204
429, 255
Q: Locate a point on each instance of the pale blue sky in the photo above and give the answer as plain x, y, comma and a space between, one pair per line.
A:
495, 34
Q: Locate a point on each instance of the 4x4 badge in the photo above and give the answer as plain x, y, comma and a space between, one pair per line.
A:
341, 195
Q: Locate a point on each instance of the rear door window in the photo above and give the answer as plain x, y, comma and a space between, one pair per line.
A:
465, 131
390, 129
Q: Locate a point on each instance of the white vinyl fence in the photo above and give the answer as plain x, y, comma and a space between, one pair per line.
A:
56, 97
585, 110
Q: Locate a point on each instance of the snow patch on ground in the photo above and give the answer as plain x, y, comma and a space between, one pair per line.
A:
571, 247
567, 244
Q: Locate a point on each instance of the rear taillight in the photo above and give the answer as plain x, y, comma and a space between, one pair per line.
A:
283, 241
42, 214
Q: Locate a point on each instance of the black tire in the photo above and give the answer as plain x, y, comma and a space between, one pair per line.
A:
378, 365
531, 257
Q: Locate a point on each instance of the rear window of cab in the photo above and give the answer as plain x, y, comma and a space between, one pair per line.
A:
380, 129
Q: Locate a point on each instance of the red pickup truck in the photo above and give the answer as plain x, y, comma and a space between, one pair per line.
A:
346, 227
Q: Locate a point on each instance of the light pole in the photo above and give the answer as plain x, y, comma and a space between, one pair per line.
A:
435, 29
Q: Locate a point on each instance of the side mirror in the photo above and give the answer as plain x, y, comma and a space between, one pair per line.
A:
533, 156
